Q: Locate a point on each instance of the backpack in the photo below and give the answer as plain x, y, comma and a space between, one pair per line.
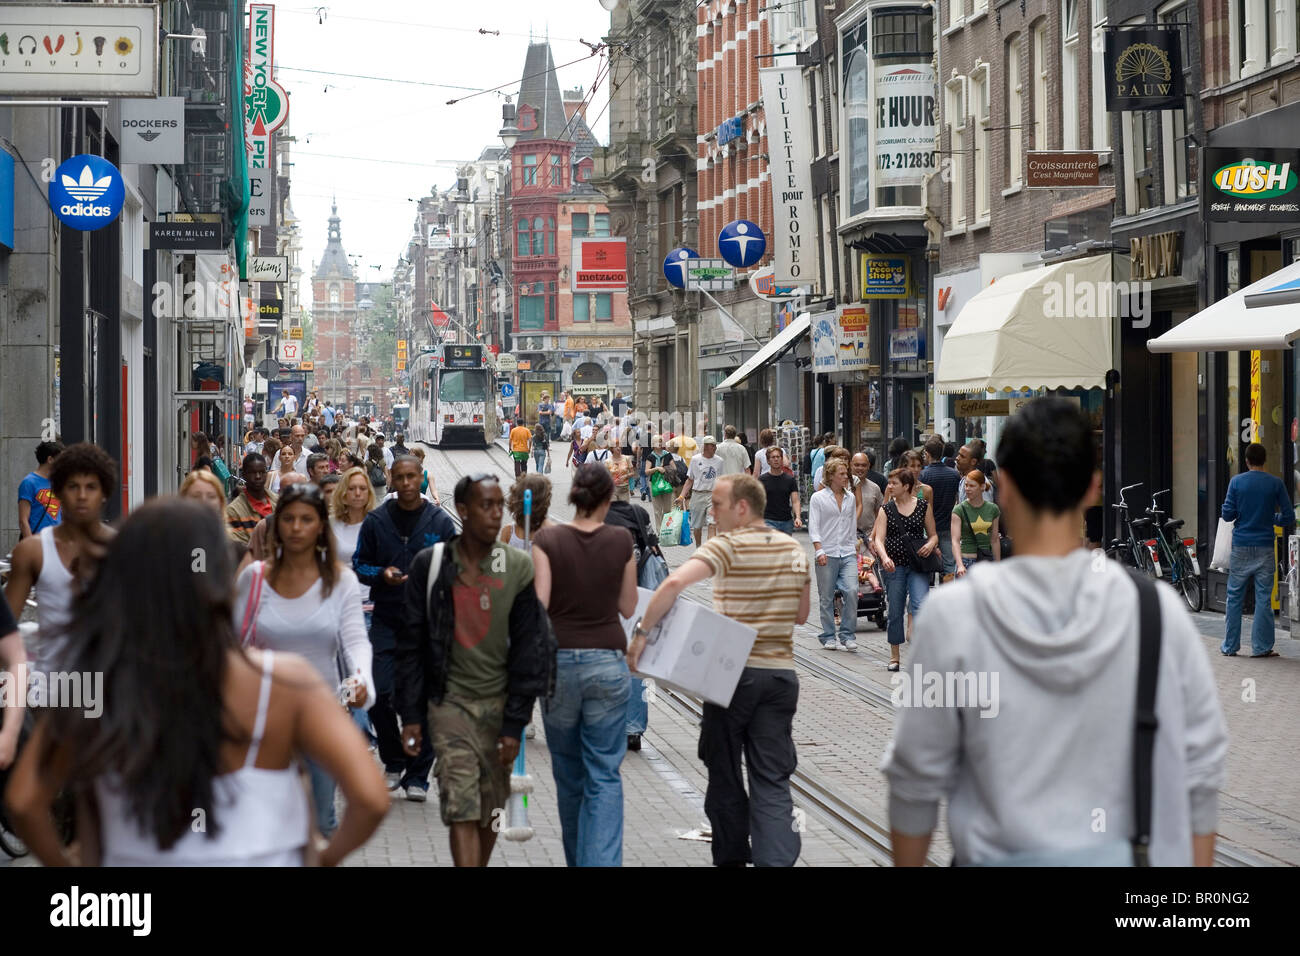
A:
376, 472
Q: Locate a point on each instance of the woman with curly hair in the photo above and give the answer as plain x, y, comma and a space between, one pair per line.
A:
540, 486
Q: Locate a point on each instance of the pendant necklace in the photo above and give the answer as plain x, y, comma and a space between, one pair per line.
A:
484, 602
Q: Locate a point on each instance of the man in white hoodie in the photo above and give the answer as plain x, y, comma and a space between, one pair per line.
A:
1025, 723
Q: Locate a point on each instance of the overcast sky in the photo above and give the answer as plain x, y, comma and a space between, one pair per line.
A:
376, 144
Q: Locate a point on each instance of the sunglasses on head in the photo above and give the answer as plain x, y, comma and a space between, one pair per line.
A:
301, 489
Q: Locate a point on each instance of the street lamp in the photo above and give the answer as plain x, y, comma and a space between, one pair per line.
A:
509, 131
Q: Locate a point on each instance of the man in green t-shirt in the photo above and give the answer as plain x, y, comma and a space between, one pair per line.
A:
477, 650
974, 528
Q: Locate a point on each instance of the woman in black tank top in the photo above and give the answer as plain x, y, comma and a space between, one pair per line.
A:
904, 517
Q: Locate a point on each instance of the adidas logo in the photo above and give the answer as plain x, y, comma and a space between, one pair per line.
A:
149, 135
87, 188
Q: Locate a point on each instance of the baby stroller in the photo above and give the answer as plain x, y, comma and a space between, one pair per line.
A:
872, 603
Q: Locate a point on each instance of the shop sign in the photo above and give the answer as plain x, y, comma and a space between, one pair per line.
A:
152, 131
184, 235
709, 275
592, 343
790, 142
290, 352
268, 268
904, 344
841, 340
1062, 170
295, 332
506, 362
1255, 186
267, 103
979, 407
1156, 256
307, 367
6, 199
82, 49
1144, 69
600, 265
86, 192
885, 277
525, 365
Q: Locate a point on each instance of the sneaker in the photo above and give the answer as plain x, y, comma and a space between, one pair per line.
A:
850, 645
530, 732
829, 646
393, 778
633, 741
893, 666
417, 794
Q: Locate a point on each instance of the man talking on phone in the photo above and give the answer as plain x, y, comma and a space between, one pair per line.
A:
390, 538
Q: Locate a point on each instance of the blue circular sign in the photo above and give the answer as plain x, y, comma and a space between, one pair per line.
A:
87, 193
741, 243
675, 266
507, 390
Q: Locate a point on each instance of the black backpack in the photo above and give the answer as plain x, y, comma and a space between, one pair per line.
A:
376, 472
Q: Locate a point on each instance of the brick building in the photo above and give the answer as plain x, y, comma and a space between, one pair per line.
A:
334, 312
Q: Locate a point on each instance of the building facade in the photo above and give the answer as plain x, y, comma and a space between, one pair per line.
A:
338, 358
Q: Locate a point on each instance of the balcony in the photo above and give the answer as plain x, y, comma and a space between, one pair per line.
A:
619, 165
676, 128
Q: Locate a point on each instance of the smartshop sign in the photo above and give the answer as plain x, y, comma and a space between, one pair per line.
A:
1263, 186
87, 193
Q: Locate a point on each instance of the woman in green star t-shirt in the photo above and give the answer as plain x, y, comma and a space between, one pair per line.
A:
974, 528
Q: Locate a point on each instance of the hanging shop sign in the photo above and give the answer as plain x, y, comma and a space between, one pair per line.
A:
599, 265
506, 362
741, 243
1062, 170
841, 340
1255, 185
1144, 69
885, 277
710, 275
675, 266
905, 123
86, 192
259, 196
764, 285
152, 131
79, 49
290, 351
306, 366
856, 159
268, 268
795, 245
184, 235
266, 102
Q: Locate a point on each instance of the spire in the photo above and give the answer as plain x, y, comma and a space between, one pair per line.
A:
335, 261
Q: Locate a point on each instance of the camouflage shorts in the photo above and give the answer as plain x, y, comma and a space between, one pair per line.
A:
472, 784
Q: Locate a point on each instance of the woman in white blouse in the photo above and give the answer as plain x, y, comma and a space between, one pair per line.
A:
303, 600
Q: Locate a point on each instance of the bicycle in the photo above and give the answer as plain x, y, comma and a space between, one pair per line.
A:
1179, 554
1133, 551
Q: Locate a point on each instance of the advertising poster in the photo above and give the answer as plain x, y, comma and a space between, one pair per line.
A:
884, 277
905, 118
853, 349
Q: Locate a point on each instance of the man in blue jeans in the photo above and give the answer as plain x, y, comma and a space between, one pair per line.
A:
1256, 501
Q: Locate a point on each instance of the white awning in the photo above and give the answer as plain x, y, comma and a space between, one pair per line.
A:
1256, 317
769, 352
1048, 327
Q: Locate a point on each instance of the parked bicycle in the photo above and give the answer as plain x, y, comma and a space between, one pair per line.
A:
1134, 549
1177, 554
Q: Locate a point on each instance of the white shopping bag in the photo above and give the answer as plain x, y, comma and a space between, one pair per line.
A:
1222, 546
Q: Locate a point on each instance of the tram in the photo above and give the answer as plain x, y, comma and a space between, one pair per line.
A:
452, 403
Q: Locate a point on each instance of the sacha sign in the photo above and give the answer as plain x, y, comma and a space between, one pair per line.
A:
1260, 187
87, 193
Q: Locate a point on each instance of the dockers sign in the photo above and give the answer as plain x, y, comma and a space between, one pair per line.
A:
795, 245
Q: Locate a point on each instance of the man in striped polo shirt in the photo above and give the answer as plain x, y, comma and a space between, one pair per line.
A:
762, 580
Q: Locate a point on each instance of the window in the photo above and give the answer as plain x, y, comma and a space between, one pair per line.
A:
604, 307
334, 295
978, 7
550, 240
527, 118
1040, 85
532, 312
584, 171
1180, 166
579, 225
956, 12
521, 244
557, 170
955, 111
1100, 118
581, 308
980, 110
1015, 115
903, 37
602, 225
1069, 74
1139, 162
530, 170
1251, 36
462, 385
539, 235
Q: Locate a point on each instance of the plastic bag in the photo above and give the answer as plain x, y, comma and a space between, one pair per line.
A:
1222, 546
659, 485
670, 529
686, 533
567, 431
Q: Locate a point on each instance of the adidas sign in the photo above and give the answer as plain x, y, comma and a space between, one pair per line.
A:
84, 209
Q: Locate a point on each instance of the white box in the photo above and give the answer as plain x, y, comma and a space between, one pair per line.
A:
694, 649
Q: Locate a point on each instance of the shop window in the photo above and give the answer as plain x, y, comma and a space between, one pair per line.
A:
1069, 74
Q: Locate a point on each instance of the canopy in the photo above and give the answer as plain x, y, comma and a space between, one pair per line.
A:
1264, 315
1048, 327
770, 352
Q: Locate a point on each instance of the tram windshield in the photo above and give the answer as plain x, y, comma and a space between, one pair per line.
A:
462, 386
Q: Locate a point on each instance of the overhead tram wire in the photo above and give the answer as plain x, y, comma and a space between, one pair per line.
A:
313, 11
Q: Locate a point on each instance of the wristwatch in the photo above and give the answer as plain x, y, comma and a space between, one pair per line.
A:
638, 630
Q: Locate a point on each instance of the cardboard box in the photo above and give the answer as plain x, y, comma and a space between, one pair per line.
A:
694, 649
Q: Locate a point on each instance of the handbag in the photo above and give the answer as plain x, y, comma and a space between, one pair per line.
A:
653, 572
248, 632
984, 554
931, 563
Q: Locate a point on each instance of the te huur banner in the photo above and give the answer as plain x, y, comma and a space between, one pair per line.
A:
1144, 70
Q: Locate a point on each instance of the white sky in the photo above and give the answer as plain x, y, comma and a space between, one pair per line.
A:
393, 133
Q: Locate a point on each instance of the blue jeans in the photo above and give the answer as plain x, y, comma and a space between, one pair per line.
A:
638, 708
322, 795
786, 526
586, 732
539, 456
1249, 563
838, 574
904, 584
945, 549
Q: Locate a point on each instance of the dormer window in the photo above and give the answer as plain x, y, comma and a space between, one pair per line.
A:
584, 171
527, 119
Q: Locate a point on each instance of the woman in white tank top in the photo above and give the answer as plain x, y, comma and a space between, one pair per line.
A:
540, 486
176, 682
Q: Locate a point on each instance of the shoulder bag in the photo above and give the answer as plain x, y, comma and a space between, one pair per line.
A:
984, 554
248, 633
931, 563
435, 568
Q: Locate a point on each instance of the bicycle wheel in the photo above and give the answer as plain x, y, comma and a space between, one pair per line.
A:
1190, 585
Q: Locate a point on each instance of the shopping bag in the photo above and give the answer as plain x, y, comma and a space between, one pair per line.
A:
653, 572
659, 484
567, 431
686, 532
670, 529
1222, 546
546, 469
